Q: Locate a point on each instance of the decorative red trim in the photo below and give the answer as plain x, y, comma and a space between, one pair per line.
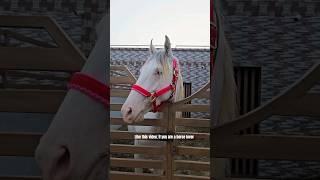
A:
90, 87
141, 90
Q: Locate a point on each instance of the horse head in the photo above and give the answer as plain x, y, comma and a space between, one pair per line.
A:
159, 81
75, 145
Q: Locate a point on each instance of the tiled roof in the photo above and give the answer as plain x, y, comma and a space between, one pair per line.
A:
194, 63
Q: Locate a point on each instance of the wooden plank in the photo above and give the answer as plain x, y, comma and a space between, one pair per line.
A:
197, 136
146, 122
135, 149
121, 80
119, 93
117, 175
203, 95
23, 21
307, 105
268, 147
18, 144
37, 75
189, 177
115, 107
192, 165
136, 163
118, 68
20, 178
37, 101
66, 57
246, 178
37, 58
127, 134
192, 108
122, 135
245, 90
187, 150
192, 122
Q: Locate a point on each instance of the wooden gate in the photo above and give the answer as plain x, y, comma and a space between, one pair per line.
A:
121, 81
297, 100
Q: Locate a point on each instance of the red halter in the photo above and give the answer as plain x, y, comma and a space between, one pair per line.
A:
154, 95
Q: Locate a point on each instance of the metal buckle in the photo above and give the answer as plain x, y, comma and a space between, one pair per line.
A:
152, 97
175, 73
173, 87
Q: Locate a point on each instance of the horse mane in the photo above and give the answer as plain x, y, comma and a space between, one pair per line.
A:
225, 100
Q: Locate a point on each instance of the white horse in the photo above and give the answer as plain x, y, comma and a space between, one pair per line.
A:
75, 145
156, 75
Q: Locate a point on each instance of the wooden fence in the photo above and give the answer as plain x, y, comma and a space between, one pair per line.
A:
121, 80
297, 100
25, 62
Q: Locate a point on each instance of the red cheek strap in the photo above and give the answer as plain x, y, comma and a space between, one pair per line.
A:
91, 87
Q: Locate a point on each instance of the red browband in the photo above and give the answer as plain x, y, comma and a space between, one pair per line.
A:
90, 87
154, 95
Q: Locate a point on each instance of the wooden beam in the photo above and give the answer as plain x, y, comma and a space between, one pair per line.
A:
134, 149
307, 105
191, 165
20, 178
146, 122
136, 163
18, 144
121, 80
267, 147
66, 57
117, 175
192, 122
37, 75
187, 150
37, 58
127, 134
197, 136
37, 101
189, 177
115, 107
119, 93
192, 108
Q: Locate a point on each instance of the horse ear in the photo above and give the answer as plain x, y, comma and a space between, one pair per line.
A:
152, 48
167, 46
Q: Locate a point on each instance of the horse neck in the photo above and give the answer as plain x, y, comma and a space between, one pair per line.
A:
152, 115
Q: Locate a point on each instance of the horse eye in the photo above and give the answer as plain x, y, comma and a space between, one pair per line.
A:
158, 72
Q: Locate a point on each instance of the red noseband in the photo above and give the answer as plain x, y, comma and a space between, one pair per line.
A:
154, 95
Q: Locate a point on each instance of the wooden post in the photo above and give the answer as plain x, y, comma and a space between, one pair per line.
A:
170, 116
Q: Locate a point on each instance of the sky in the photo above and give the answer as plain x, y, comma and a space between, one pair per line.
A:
136, 22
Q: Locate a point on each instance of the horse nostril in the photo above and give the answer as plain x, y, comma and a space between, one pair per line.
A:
64, 159
129, 111
61, 167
